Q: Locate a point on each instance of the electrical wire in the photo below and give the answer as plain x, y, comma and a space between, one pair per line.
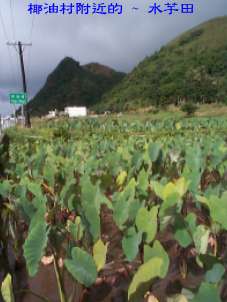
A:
12, 20
29, 56
3, 26
12, 70
5, 33
32, 27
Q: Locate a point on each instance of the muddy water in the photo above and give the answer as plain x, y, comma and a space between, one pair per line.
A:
44, 284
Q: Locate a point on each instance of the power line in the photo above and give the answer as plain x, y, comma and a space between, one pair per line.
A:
8, 50
32, 27
20, 49
12, 20
3, 26
29, 55
12, 70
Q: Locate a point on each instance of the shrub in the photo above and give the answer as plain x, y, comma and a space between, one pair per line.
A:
189, 108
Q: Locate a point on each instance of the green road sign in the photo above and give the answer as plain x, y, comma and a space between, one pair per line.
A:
18, 98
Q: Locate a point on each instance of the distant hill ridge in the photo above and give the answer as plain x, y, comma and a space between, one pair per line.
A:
71, 84
192, 67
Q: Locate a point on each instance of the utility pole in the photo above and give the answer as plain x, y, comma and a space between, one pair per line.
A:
24, 109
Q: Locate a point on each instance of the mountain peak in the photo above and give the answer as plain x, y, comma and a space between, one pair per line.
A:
72, 84
69, 61
99, 69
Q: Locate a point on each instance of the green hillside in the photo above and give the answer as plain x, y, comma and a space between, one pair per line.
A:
191, 67
72, 84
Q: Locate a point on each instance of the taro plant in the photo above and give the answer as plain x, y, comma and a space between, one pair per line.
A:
164, 192
67, 233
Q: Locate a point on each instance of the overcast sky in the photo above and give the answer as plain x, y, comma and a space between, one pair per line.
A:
119, 41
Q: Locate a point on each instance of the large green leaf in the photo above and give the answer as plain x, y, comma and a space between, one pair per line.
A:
5, 188
91, 201
179, 187
218, 208
35, 189
201, 237
193, 167
146, 222
184, 228
146, 272
158, 188
143, 182
99, 254
82, 267
191, 220
215, 274
133, 209
154, 151
157, 251
49, 172
35, 243
207, 293
121, 178
67, 191
130, 243
183, 237
122, 202
171, 194
156, 265
168, 204
7, 289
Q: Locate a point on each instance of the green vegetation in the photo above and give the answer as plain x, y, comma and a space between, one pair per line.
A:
192, 68
160, 184
189, 108
73, 85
